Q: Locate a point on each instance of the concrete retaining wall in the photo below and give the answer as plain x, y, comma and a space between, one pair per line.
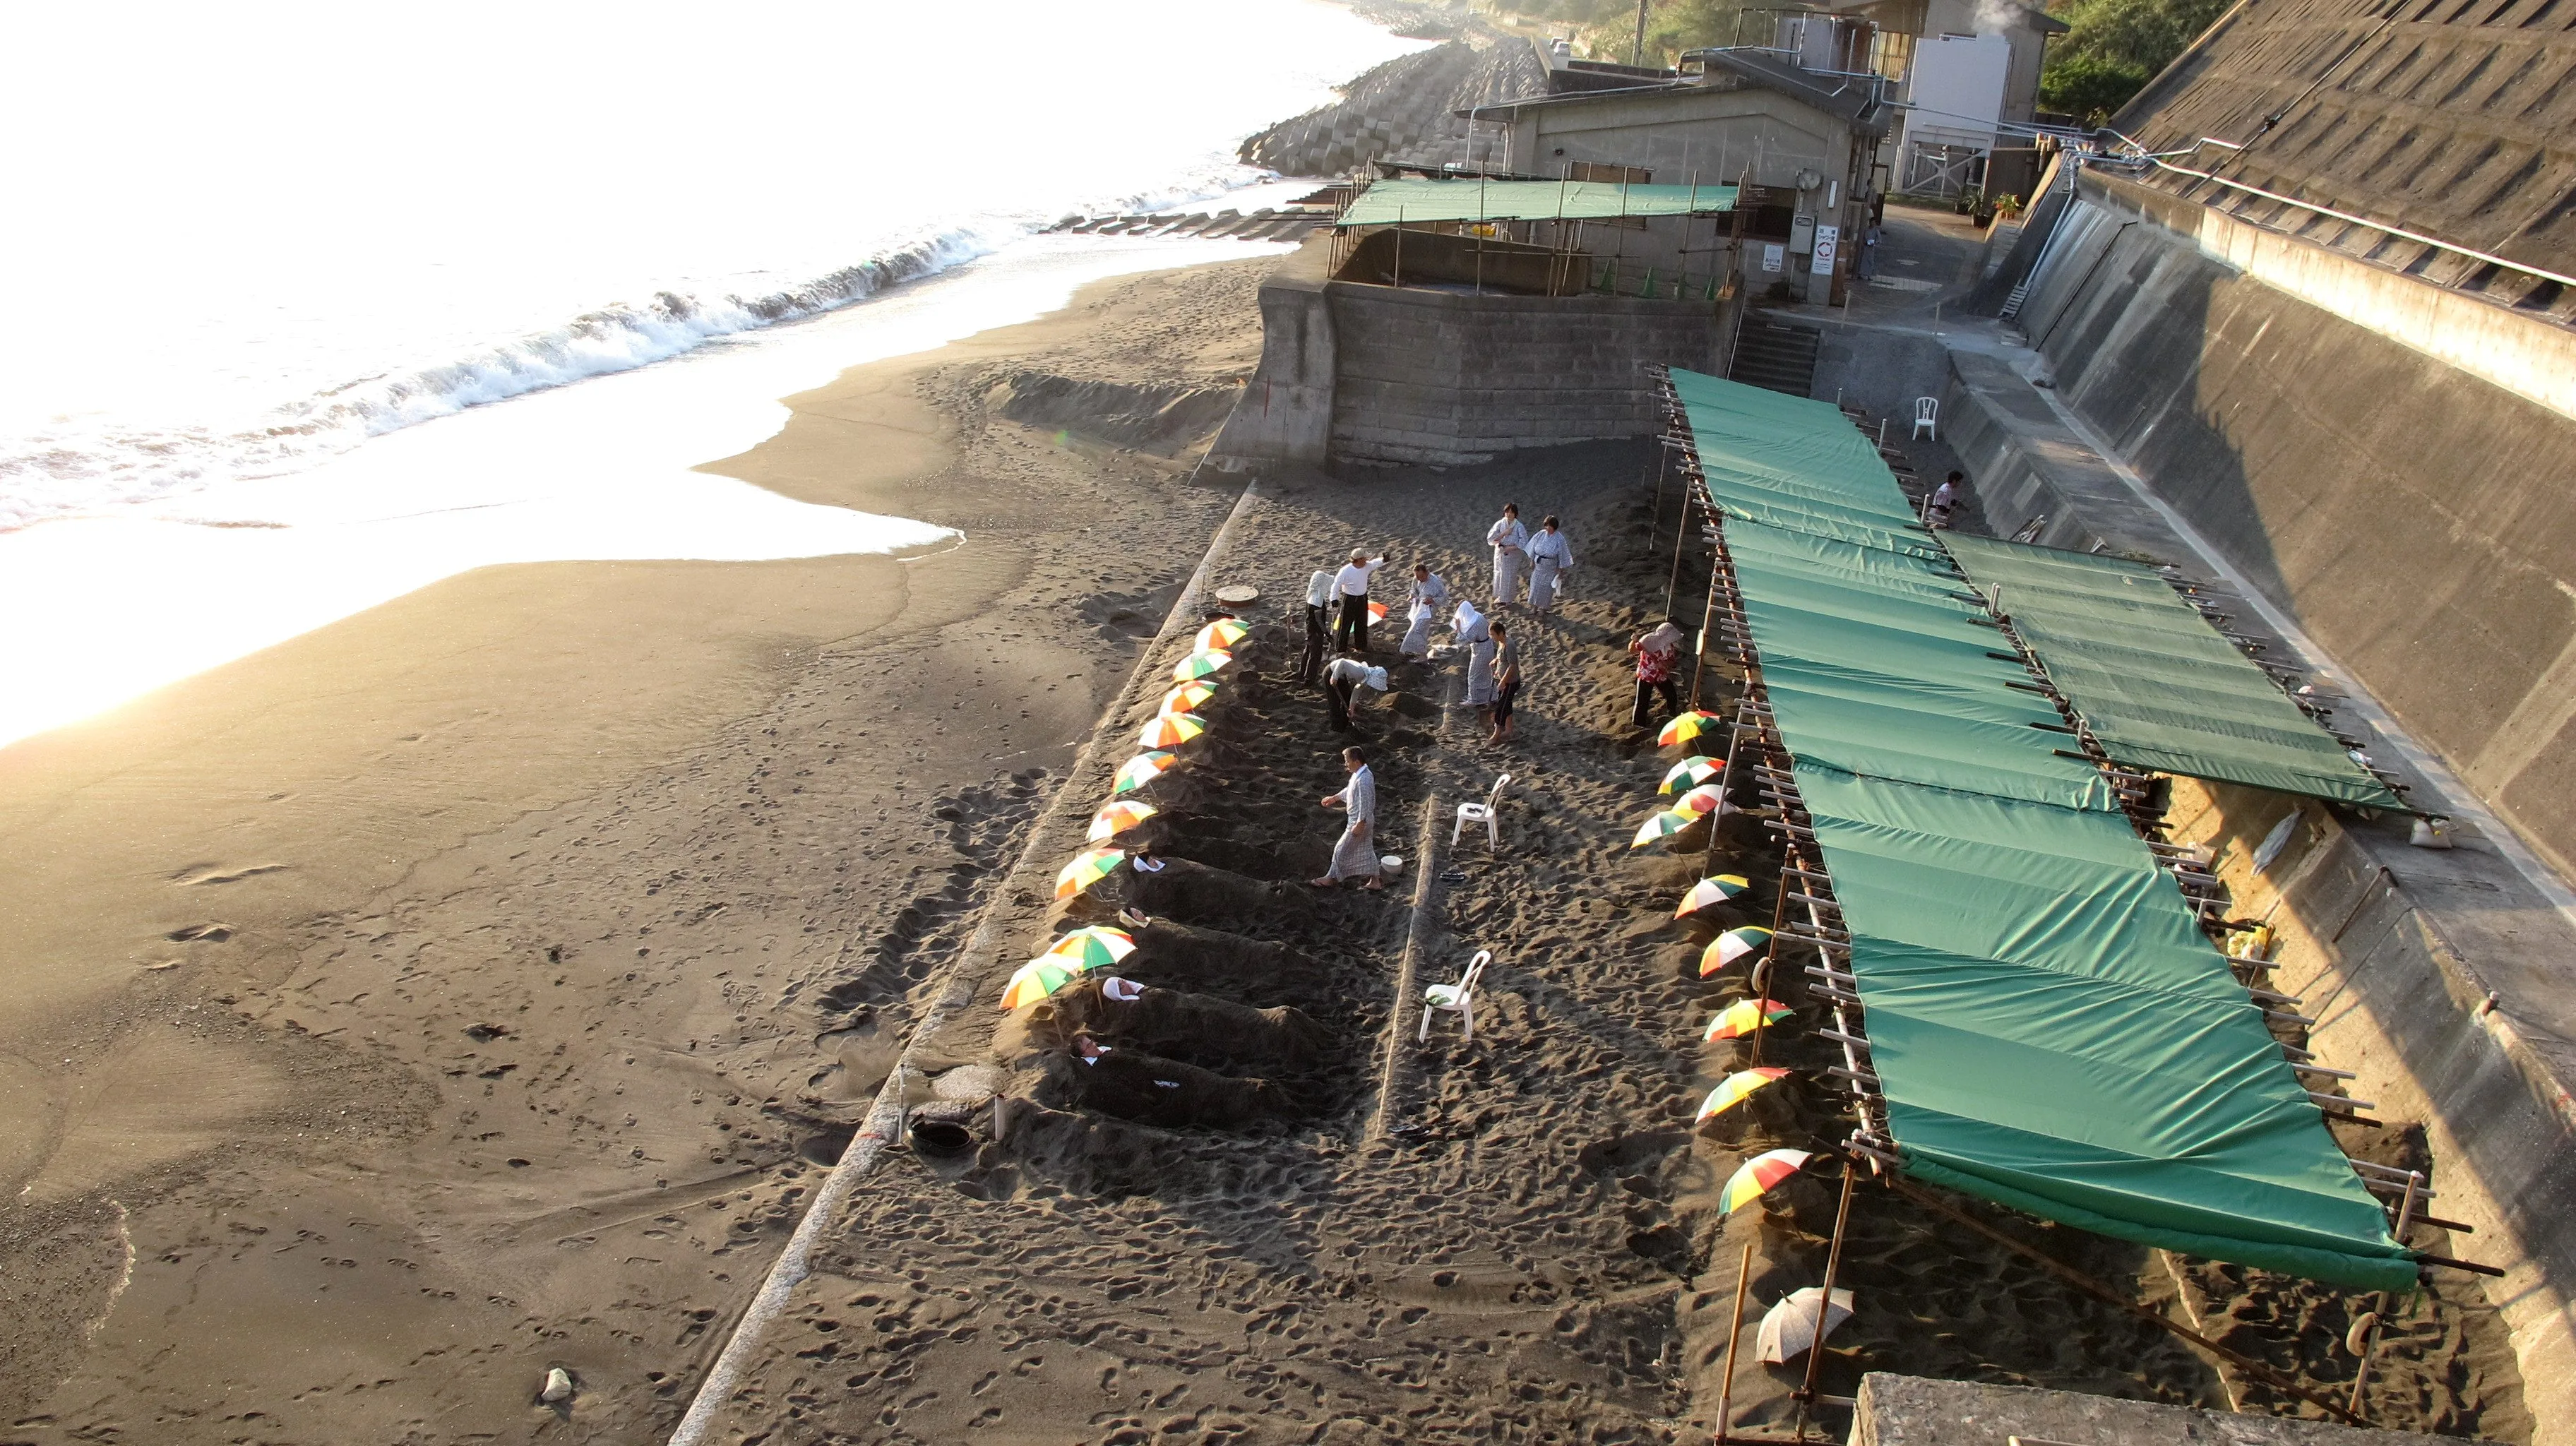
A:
1286, 415
2417, 518
1446, 377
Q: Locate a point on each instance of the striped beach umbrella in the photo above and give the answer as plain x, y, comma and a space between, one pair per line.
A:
1222, 634
1140, 770
1169, 730
1691, 772
1715, 889
1702, 801
1201, 663
1743, 1017
1093, 948
1663, 825
1039, 978
1757, 1177
1689, 726
1088, 867
1187, 697
1119, 815
1731, 1091
1733, 946
1377, 612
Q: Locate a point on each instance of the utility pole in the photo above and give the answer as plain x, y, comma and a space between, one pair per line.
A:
1637, 54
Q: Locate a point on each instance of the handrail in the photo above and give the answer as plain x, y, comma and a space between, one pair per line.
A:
2400, 232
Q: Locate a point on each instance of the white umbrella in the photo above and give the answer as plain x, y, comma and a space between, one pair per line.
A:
1790, 1327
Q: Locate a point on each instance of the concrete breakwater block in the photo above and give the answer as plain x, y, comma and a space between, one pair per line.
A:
1910, 1411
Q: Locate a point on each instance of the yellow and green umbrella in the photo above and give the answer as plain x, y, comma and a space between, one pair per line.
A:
1715, 889
1140, 770
1040, 978
1691, 772
1663, 825
1221, 634
1094, 948
1119, 815
1170, 730
1732, 947
1187, 697
1689, 726
1743, 1017
1731, 1091
1758, 1177
1088, 867
1201, 663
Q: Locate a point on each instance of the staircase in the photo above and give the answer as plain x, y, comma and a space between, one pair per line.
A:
1776, 355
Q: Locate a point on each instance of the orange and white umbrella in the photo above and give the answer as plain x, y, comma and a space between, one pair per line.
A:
1187, 697
1735, 945
1223, 633
1200, 664
1743, 1017
1119, 815
1140, 770
1170, 730
1096, 947
1689, 726
1713, 890
1691, 772
1758, 1177
1663, 825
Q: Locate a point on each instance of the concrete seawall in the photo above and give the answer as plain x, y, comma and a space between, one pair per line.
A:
2415, 511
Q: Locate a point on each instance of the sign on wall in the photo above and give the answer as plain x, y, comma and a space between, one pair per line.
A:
1827, 238
1774, 256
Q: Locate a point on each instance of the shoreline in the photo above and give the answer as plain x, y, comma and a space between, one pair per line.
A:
298, 930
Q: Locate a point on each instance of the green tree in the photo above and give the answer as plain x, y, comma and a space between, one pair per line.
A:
2112, 48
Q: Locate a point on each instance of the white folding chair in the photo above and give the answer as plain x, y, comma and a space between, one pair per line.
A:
1459, 998
1481, 813
1927, 413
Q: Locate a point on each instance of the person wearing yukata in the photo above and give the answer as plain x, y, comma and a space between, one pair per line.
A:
1551, 557
1510, 541
1319, 597
1343, 678
1424, 599
1659, 653
1350, 634
1355, 855
1475, 634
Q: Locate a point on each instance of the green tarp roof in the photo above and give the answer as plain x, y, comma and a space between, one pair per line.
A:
2049, 1027
1387, 202
2159, 687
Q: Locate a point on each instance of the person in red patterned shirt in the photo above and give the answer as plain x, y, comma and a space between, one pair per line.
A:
1659, 653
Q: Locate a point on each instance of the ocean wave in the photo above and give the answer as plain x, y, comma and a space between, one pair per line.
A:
84, 467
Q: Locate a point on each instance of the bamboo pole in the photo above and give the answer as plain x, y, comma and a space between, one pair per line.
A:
1825, 1298
2370, 1342
1734, 1333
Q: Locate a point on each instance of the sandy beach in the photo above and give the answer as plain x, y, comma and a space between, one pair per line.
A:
377, 1004
486, 984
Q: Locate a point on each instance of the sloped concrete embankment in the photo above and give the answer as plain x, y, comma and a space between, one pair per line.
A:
1405, 109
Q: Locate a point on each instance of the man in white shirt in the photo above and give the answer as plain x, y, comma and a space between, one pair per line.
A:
1352, 582
1510, 542
1936, 508
1355, 856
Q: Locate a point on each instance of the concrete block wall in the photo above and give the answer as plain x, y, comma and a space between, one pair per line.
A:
1441, 377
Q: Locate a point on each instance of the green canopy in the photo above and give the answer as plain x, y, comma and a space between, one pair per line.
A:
2159, 687
2050, 1029
1388, 202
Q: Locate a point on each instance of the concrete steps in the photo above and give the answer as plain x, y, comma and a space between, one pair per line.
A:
1775, 355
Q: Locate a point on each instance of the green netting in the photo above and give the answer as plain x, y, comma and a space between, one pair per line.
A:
2049, 1026
1388, 202
2159, 687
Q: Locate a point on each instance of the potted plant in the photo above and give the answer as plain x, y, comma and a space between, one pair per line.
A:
1970, 198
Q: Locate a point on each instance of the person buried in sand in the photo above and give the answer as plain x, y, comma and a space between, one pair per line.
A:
1658, 654
1355, 856
1427, 595
1350, 634
1342, 680
1507, 678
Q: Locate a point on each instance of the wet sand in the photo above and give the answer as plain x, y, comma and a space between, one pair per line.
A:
465, 988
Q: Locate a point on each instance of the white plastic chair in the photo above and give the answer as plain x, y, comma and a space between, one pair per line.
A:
1481, 813
1459, 998
1927, 413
